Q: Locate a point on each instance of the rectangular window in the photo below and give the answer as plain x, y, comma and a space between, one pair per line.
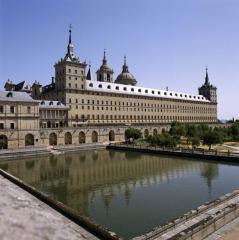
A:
1, 109
12, 125
1, 126
28, 110
12, 109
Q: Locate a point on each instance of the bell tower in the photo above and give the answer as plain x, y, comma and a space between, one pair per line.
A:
208, 90
70, 72
105, 73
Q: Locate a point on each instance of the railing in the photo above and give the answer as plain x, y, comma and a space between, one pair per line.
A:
177, 149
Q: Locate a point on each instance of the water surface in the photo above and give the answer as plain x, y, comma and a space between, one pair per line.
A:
127, 192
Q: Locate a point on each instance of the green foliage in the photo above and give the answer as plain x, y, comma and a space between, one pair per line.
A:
195, 141
234, 131
177, 129
191, 130
202, 130
133, 133
163, 140
213, 137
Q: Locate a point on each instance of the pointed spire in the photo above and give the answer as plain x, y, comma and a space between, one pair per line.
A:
70, 45
207, 78
104, 58
125, 67
89, 75
70, 53
70, 27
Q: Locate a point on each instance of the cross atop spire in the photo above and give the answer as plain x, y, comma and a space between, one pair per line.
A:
70, 48
124, 59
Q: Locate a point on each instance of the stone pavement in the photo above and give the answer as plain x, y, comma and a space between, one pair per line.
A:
229, 232
24, 217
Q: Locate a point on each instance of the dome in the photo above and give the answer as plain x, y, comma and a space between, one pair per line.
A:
104, 67
125, 77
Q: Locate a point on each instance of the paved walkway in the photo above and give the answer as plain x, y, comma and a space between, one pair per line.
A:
229, 232
24, 217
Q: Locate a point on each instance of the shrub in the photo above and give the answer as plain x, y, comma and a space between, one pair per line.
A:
133, 133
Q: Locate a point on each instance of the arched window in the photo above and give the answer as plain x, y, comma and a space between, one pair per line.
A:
3, 142
108, 77
94, 137
29, 140
81, 137
52, 139
111, 135
68, 138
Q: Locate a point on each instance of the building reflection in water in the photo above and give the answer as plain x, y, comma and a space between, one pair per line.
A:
78, 179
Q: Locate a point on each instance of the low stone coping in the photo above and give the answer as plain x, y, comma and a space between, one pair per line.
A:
93, 230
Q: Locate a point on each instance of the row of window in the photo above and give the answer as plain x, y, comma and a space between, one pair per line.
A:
102, 102
47, 114
59, 72
76, 86
138, 117
152, 92
12, 125
12, 109
144, 110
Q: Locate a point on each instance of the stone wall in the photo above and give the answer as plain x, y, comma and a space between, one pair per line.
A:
79, 135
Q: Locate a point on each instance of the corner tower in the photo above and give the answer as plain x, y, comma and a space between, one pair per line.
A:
69, 73
105, 73
208, 90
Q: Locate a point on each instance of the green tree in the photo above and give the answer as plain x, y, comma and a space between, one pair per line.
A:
213, 137
133, 133
195, 141
163, 140
177, 129
191, 130
234, 129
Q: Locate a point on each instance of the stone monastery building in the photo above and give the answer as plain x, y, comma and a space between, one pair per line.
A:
74, 108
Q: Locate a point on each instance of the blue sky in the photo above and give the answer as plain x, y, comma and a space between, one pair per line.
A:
167, 42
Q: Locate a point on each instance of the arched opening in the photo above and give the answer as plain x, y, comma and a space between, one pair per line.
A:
94, 137
146, 133
29, 140
111, 135
53, 139
3, 142
155, 132
81, 137
68, 138
163, 130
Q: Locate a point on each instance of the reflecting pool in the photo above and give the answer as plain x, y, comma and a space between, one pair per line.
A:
127, 192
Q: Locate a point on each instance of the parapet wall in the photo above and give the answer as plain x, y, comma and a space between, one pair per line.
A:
198, 223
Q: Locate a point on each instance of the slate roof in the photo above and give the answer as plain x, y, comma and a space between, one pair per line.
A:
13, 96
45, 104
